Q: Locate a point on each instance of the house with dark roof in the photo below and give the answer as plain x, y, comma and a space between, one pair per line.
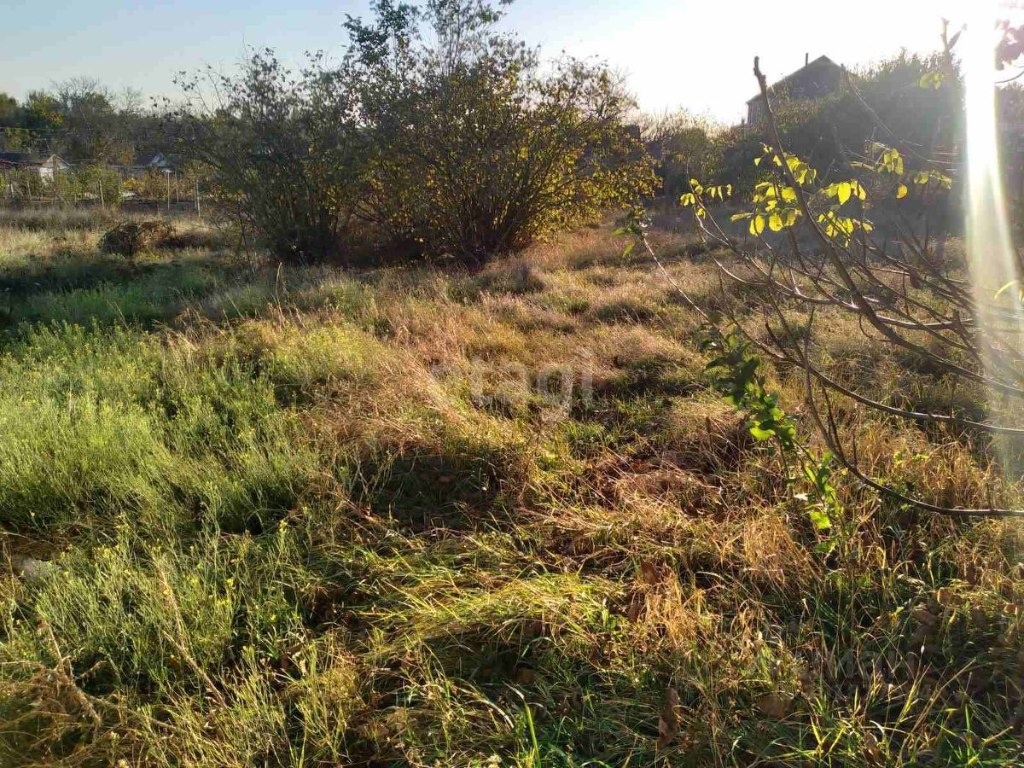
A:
16, 159
814, 80
143, 164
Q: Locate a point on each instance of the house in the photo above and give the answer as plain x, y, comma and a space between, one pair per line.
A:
10, 160
814, 80
52, 166
148, 163
46, 168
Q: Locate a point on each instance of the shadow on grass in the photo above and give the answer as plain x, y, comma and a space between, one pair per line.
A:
425, 491
648, 376
106, 290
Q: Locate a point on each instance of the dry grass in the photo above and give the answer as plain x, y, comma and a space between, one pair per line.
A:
294, 516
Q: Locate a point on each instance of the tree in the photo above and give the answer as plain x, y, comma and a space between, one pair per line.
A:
10, 111
686, 146
283, 153
477, 150
12, 138
92, 126
958, 322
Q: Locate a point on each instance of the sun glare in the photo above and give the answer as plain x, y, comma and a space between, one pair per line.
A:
993, 266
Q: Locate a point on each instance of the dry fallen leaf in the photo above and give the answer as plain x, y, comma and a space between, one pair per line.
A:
775, 705
668, 723
649, 573
923, 616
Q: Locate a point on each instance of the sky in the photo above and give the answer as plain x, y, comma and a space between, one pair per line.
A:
693, 54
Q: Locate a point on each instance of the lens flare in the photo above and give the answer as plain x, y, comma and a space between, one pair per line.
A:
993, 266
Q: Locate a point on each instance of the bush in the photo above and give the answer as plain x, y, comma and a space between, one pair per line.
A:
283, 154
130, 238
447, 137
685, 146
477, 149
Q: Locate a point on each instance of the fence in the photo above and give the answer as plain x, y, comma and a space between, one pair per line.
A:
103, 186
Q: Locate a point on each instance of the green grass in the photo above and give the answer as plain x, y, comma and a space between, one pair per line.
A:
254, 515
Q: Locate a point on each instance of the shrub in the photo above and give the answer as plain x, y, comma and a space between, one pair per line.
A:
477, 148
446, 136
129, 238
686, 146
282, 153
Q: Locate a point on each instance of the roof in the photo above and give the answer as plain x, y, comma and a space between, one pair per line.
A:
820, 64
55, 161
151, 160
27, 160
18, 158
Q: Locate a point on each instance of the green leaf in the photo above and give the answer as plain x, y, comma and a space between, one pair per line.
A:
820, 519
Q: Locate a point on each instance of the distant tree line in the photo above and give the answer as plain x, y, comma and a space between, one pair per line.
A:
83, 122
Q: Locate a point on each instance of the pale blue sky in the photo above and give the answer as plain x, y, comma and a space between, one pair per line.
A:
692, 53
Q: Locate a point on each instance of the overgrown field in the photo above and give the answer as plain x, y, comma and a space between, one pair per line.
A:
258, 516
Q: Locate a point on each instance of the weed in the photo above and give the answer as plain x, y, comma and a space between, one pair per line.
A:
256, 515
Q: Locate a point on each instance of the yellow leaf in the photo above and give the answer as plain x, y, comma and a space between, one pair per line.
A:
775, 222
901, 191
757, 225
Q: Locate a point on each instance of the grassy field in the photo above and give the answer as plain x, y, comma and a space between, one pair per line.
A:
258, 516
